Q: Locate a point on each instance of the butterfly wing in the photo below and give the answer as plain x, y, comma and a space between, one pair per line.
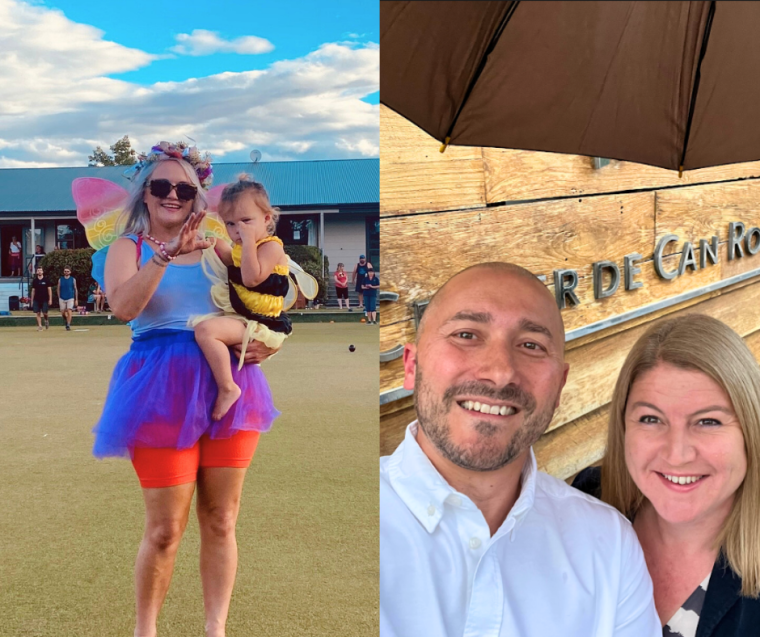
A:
212, 226
99, 203
213, 197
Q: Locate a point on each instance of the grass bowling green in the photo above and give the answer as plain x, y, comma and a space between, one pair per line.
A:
70, 524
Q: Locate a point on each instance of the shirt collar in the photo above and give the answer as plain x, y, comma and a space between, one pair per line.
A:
424, 491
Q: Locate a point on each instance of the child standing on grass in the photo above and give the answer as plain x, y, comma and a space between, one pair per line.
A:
252, 300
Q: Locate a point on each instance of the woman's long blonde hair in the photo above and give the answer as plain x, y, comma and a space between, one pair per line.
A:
700, 343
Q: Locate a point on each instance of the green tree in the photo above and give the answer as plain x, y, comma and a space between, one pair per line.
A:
123, 154
100, 157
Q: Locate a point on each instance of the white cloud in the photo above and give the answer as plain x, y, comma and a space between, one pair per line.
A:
202, 42
57, 104
45, 56
298, 147
365, 147
17, 163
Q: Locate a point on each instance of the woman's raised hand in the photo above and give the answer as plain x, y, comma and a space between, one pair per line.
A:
189, 238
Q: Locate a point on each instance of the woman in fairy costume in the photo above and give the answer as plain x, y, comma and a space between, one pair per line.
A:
158, 410
252, 294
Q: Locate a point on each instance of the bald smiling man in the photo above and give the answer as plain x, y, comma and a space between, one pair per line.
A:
474, 540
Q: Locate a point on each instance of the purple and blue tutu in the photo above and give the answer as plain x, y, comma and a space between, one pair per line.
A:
162, 393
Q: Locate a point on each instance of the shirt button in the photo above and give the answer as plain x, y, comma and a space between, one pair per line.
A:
454, 500
474, 543
431, 510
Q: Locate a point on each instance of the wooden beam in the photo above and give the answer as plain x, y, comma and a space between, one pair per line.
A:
517, 175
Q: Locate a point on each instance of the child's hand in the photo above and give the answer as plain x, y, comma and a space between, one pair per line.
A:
247, 232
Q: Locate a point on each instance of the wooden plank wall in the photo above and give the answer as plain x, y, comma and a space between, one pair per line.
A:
443, 212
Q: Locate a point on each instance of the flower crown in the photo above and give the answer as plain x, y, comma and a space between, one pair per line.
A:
164, 150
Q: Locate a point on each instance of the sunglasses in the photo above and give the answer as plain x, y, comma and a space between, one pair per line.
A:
162, 187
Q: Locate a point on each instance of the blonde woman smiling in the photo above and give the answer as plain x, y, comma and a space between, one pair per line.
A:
683, 463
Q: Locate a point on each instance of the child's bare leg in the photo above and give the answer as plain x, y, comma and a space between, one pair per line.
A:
214, 337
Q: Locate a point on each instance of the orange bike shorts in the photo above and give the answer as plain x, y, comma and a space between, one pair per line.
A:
162, 467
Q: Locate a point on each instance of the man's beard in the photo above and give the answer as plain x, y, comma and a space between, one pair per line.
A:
488, 454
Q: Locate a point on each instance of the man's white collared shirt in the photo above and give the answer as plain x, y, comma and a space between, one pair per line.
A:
562, 563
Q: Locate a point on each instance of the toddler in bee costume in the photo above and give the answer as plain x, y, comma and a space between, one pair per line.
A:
250, 284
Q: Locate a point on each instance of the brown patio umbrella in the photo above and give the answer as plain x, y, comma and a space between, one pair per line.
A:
671, 84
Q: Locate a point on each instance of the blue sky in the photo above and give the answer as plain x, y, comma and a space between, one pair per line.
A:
297, 80
294, 28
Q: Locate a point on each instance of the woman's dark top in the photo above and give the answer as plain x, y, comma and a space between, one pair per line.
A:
725, 612
374, 282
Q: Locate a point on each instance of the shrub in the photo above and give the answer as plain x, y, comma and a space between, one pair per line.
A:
80, 262
310, 259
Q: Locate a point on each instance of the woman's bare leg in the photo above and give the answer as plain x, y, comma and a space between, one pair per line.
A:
166, 513
214, 337
218, 503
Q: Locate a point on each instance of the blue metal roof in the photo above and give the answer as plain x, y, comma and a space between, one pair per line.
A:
289, 183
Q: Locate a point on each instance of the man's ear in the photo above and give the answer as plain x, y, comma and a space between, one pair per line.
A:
564, 380
410, 365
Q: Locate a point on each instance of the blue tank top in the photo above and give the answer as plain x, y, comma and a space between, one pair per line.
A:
184, 291
67, 288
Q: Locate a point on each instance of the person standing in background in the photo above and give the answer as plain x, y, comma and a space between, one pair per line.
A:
360, 271
39, 254
67, 296
42, 298
371, 286
341, 286
14, 252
